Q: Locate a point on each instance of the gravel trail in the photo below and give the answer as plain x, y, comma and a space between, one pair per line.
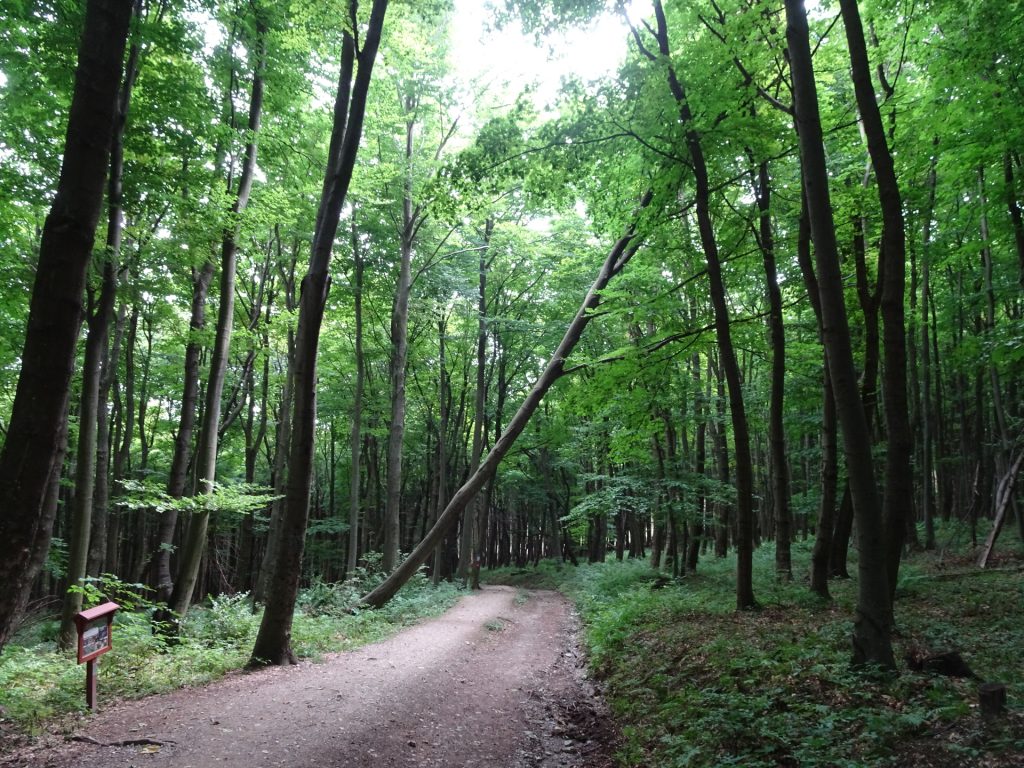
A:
494, 682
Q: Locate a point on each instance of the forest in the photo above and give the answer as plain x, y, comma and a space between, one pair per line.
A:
294, 293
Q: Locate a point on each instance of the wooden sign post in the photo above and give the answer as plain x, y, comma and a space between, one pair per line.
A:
94, 639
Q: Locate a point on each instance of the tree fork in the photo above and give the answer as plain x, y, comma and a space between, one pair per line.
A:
872, 641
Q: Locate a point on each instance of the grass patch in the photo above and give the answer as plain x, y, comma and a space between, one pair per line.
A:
494, 625
38, 683
692, 682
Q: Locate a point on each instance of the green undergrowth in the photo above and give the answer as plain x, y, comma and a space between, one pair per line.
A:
38, 683
693, 682
547, 574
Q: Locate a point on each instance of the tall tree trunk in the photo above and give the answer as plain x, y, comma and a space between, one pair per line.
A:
195, 541
399, 357
1003, 457
722, 506
822, 554
474, 516
829, 485
872, 639
273, 643
442, 445
99, 315
98, 544
33, 438
122, 446
356, 437
776, 427
1016, 219
177, 479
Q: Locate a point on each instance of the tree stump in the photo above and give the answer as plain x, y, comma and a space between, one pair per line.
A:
992, 699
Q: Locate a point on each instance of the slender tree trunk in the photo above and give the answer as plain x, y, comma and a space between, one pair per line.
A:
1003, 457
442, 445
399, 357
32, 444
776, 427
477, 509
177, 479
721, 447
829, 485
926, 368
1016, 219
730, 366
85, 455
822, 554
195, 541
98, 546
872, 641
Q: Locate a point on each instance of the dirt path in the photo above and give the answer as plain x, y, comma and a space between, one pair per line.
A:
494, 682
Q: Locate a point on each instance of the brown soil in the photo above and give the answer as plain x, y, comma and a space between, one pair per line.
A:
496, 681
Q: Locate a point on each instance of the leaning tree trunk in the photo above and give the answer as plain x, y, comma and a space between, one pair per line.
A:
872, 637
273, 643
33, 439
617, 259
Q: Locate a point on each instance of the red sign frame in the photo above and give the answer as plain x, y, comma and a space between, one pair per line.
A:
94, 631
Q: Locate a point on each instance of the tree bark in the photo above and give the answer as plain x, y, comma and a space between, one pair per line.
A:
32, 443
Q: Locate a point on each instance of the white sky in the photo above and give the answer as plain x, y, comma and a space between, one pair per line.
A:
508, 61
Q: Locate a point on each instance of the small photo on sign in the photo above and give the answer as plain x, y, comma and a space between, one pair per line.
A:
95, 639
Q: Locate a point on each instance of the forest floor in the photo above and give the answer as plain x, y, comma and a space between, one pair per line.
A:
496, 681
